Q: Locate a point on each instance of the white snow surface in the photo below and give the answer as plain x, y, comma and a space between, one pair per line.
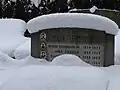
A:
114, 77
7, 62
11, 35
34, 61
72, 20
69, 60
38, 74
56, 78
23, 50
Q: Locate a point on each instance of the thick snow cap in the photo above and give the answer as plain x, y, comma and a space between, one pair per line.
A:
11, 35
72, 20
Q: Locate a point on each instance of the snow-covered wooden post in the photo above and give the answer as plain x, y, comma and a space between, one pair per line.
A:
91, 37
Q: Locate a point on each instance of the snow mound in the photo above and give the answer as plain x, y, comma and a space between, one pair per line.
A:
114, 77
23, 50
69, 60
11, 35
34, 61
113, 70
114, 84
56, 78
65, 20
93, 9
7, 62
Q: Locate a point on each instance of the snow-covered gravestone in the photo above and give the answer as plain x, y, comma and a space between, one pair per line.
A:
91, 37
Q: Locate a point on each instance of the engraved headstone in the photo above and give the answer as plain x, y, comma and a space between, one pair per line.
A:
84, 43
54, 35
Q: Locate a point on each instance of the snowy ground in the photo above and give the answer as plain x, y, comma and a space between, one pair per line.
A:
55, 78
38, 74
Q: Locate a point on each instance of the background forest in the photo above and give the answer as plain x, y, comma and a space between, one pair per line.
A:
28, 9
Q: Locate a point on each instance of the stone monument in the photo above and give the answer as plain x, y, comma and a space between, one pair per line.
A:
91, 37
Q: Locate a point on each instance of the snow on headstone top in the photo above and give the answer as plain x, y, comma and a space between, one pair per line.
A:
69, 60
72, 20
93, 9
13, 25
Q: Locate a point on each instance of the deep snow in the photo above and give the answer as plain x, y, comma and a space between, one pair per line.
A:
65, 20
56, 78
23, 50
38, 74
11, 35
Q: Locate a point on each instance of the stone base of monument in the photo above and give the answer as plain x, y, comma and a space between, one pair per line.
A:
92, 46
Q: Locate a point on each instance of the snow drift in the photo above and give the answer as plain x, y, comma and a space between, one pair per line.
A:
8, 62
69, 60
34, 61
23, 50
11, 35
56, 78
114, 77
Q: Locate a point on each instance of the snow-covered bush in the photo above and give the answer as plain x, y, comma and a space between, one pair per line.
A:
69, 60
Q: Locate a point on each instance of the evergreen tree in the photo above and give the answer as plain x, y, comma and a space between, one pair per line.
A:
8, 9
109, 4
71, 4
52, 6
26, 9
1, 10
117, 5
98, 3
43, 7
20, 10
34, 11
78, 4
